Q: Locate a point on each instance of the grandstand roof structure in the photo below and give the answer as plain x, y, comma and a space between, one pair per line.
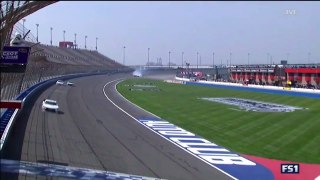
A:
14, 11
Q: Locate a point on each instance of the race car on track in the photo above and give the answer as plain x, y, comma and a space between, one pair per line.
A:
137, 74
60, 82
49, 104
70, 83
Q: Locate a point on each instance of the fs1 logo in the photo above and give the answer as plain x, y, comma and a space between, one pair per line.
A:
290, 168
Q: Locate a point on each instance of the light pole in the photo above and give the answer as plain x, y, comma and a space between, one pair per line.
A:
75, 40
248, 58
51, 35
148, 57
64, 37
124, 54
212, 60
230, 59
213, 64
85, 42
197, 59
96, 44
37, 32
23, 20
287, 56
169, 58
182, 60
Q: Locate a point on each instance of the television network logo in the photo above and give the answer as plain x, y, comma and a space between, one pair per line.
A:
290, 168
291, 12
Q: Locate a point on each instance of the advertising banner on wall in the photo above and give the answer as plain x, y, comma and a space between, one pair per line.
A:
15, 55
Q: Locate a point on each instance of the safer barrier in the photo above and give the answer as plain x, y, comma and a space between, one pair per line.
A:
309, 93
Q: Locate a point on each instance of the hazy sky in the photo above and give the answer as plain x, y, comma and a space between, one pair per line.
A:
283, 29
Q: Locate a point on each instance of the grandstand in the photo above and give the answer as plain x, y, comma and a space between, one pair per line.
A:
45, 61
50, 61
63, 55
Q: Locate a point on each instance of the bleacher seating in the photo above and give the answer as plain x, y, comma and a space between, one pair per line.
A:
49, 61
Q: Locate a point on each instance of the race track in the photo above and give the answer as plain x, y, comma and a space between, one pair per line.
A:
91, 132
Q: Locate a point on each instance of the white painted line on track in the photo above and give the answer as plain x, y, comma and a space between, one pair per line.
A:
152, 129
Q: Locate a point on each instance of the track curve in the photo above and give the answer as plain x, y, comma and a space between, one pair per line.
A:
91, 132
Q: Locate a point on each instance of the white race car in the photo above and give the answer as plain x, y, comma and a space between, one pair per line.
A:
60, 82
137, 74
70, 83
49, 104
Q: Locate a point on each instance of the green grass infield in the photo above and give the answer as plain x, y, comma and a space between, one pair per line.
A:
292, 136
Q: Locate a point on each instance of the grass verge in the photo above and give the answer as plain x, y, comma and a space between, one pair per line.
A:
292, 136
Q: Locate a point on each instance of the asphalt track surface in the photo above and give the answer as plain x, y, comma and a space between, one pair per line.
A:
90, 132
